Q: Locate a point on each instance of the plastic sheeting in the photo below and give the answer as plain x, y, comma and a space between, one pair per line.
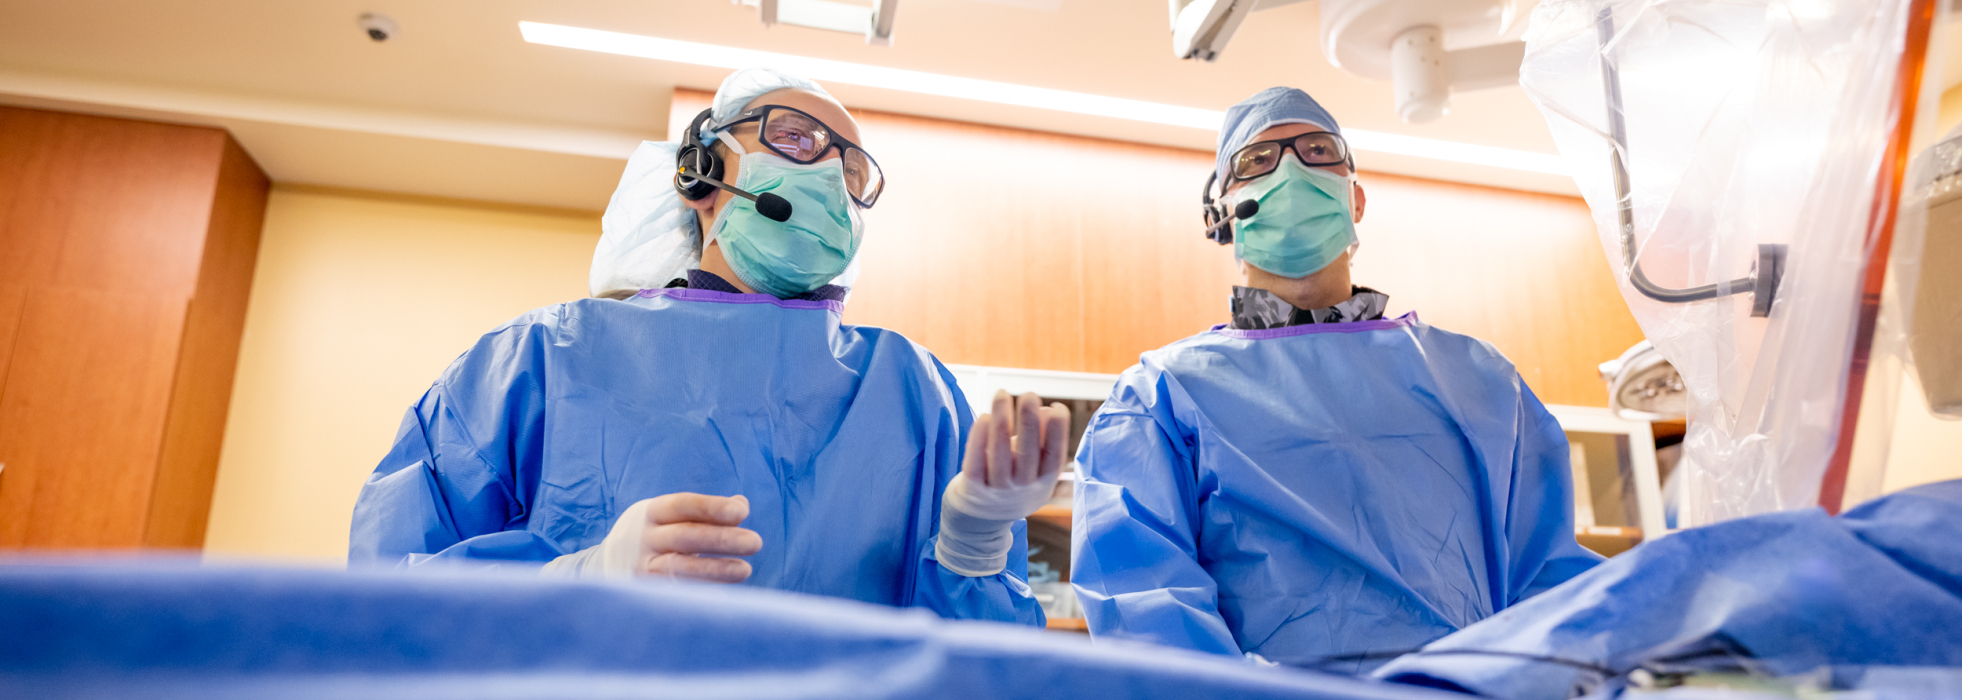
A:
1770, 595
1745, 123
162, 630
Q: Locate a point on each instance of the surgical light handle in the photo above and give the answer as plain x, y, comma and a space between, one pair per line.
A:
1762, 283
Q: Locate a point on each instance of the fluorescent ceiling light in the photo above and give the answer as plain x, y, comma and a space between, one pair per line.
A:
1004, 93
869, 76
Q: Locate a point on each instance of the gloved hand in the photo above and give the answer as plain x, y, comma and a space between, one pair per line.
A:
681, 535
1013, 457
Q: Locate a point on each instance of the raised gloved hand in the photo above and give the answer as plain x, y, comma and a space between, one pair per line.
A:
681, 535
1013, 457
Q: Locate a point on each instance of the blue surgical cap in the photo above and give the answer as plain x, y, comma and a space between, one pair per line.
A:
1273, 106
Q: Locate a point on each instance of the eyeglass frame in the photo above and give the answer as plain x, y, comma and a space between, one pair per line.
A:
837, 141
1287, 144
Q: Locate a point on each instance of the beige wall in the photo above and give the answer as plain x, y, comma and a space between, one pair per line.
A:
1926, 449
359, 301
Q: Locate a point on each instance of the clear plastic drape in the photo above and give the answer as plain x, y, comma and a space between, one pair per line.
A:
1743, 126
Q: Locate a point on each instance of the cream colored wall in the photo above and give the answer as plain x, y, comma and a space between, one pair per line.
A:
1949, 111
358, 302
1926, 449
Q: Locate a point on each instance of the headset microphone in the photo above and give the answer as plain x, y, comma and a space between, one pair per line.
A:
1244, 209
773, 207
1219, 226
768, 204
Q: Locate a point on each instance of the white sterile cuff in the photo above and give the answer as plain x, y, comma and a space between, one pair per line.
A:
617, 555
976, 523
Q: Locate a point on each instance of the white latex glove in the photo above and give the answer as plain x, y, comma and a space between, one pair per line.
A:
680, 535
1013, 457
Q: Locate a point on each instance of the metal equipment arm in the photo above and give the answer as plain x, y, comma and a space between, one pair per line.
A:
1762, 283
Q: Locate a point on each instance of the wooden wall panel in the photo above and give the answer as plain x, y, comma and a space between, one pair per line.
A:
997, 246
25, 194
126, 248
1520, 270
13, 298
956, 269
82, 419
100, 202
13, 301
1154, 278
180, 503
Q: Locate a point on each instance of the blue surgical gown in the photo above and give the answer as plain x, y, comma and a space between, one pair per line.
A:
1319, 490
1875, 593
842, 437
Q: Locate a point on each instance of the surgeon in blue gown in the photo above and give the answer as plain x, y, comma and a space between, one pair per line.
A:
711, 418
1313, 480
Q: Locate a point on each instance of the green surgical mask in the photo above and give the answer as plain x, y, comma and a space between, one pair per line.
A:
785, 259
1304, 222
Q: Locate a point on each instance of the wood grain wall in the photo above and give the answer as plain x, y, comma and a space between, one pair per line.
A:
126, 254
1015, 248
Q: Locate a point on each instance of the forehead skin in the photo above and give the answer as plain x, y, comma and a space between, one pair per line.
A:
827, 110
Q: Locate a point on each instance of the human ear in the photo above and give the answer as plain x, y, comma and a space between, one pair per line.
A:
1361, 200
701, 206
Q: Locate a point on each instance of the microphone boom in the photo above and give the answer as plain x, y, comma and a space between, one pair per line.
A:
768, 204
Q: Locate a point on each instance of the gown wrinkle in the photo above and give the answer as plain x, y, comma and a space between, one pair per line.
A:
1338, 490
842, 438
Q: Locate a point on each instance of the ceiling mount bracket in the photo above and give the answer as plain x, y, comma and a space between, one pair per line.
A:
874, 22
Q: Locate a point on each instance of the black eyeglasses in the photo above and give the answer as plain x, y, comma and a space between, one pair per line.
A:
793, 134
1319, 148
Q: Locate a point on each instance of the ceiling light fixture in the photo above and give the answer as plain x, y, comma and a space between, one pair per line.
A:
1003, 93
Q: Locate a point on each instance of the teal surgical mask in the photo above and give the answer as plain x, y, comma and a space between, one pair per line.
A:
793, 257
1304, 222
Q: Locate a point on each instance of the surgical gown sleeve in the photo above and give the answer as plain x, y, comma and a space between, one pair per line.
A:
1003, 597
465, 461
1135, 561
1541, 516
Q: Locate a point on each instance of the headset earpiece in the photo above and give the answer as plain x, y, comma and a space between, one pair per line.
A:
696, 157
1215, 215
1221, 230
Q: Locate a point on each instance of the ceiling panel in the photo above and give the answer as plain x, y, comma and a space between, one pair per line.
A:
458, 61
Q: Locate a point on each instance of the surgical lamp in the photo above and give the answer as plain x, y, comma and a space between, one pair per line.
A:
1643, 386
1401, 41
